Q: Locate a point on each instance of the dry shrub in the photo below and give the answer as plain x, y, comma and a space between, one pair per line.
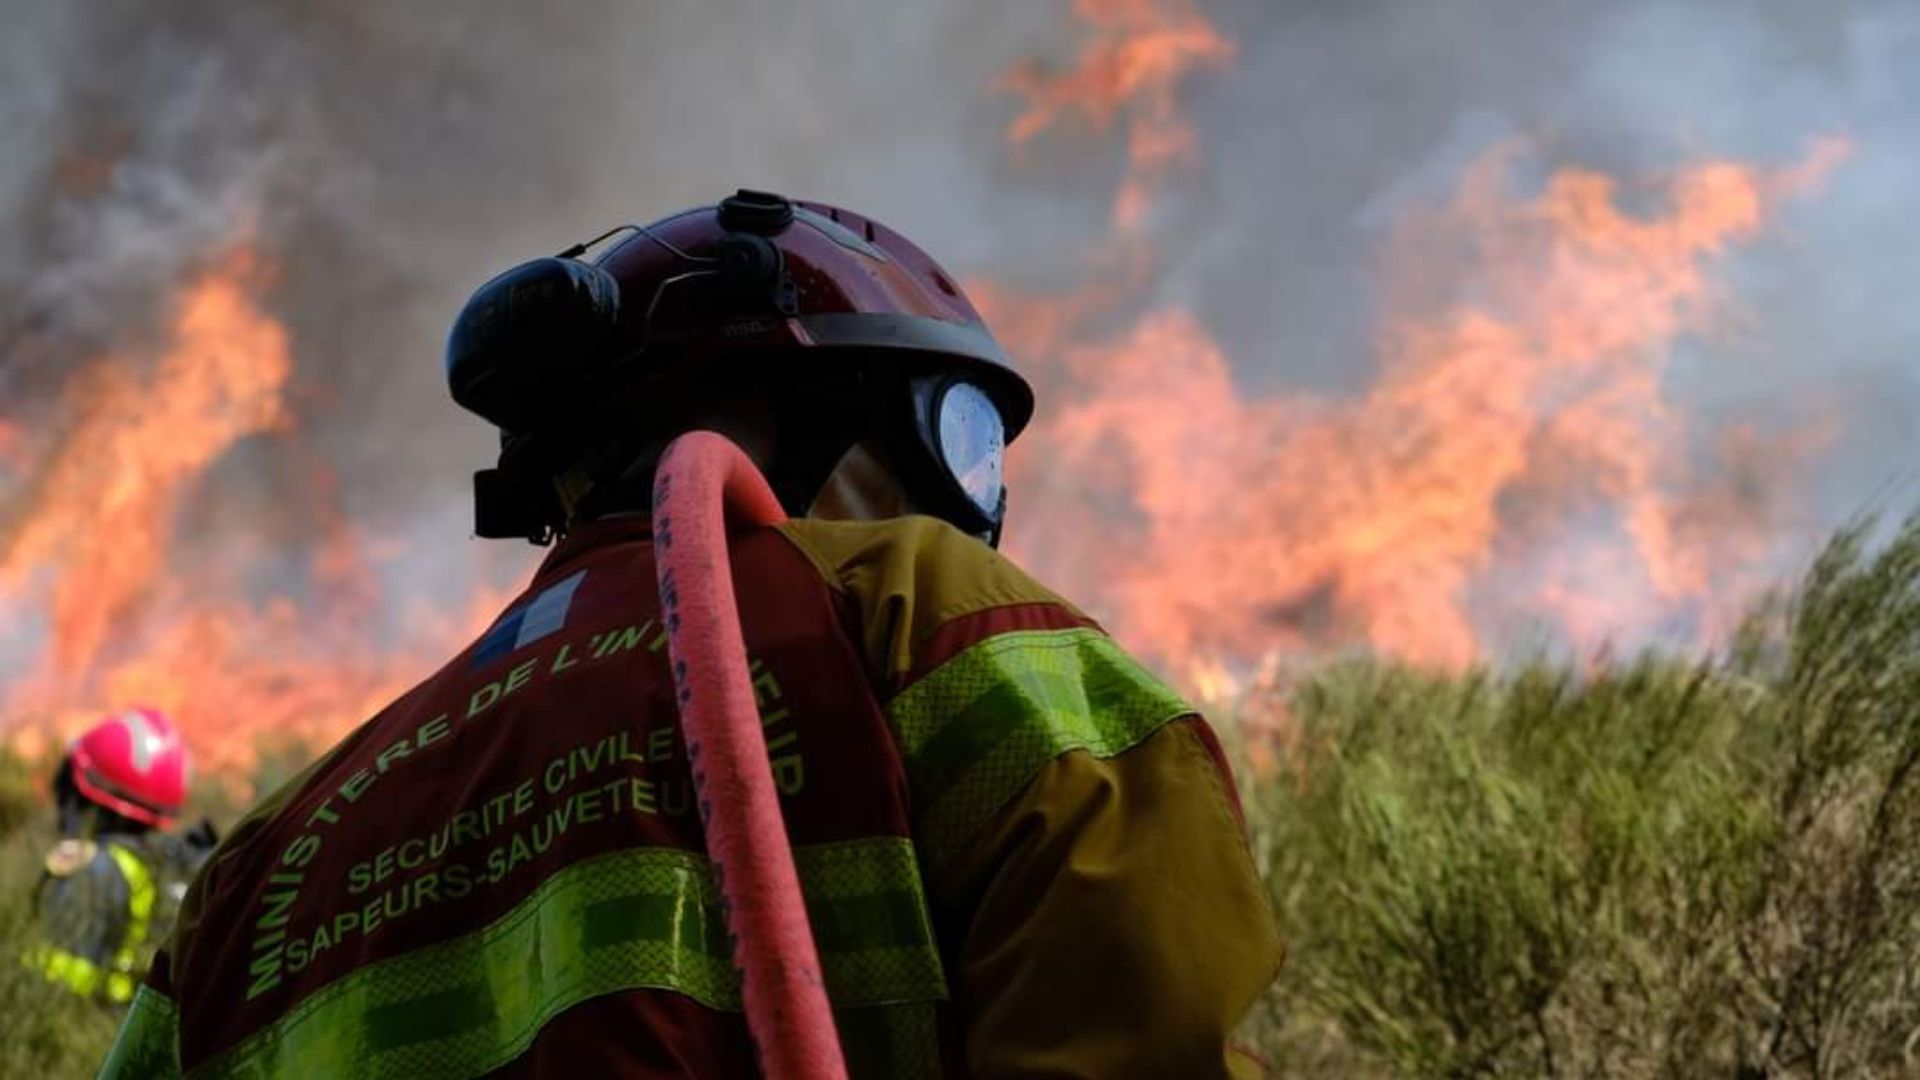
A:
1658, 868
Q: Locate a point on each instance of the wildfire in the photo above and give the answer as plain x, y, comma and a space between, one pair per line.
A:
91, 550
99, 519
1140, 54
1516, 461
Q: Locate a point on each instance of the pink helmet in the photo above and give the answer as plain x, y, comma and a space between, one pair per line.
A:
135, 763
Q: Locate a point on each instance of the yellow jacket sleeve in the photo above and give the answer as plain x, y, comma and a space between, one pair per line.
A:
1074, 823
1118, 925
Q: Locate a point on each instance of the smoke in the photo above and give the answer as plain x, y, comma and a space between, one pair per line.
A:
389, 158
382, 159
1337, 118
1338, 123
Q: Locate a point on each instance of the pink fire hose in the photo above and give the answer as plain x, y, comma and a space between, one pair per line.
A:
704, 481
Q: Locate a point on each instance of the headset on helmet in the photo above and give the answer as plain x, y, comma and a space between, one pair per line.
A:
755, 287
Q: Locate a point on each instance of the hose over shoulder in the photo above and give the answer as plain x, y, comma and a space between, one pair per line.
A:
704, 484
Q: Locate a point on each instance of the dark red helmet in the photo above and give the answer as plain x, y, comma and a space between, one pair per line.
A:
762, 284
134, 763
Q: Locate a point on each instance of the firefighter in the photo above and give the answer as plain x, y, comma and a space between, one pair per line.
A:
111, 884
1021, 853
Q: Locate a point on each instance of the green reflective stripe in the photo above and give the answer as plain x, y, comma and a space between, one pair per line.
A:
978, 728
647, 918
140, 899
79, 974
465, 1006
148, 1046
678, 918
870, 921
116, 979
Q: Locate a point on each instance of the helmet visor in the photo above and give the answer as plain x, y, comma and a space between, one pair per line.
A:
972, 443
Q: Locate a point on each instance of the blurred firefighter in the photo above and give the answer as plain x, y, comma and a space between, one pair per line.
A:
111, 885
1021, 854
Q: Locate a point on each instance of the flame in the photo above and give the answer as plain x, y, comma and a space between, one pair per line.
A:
1133, 66
1529, 419
1515, 458
91, 546
1516, 461
99, 522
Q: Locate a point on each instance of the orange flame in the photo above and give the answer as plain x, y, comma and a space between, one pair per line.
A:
1141, 53
99, 521
89, 539
1516, 457
1515, 462
1508, 422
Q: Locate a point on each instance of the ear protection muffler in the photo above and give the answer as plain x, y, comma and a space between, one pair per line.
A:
525, 351
528, 342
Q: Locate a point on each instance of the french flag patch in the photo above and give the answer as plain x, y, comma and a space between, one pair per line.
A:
528, 623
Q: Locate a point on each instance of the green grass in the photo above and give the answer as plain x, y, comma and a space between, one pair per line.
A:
45, 1033
1662, 867
1658, 868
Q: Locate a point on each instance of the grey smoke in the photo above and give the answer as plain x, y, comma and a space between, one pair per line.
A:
395, 155
1338, 114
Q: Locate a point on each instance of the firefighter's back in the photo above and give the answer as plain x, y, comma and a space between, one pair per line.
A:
504, 870
94, 900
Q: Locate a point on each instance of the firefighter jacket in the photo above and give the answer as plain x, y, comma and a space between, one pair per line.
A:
103, 904
1020, 853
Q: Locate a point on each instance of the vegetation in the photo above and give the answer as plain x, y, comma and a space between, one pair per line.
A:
1651, 868
43, 1033
1656, 868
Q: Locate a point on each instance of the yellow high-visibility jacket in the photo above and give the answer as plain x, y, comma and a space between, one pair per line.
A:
96, 902
1022, 855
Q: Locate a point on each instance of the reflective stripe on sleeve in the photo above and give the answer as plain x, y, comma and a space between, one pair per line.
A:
870, 921
647, 918
140, 898
81, 975
148, 1046
978, 728
116, 979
